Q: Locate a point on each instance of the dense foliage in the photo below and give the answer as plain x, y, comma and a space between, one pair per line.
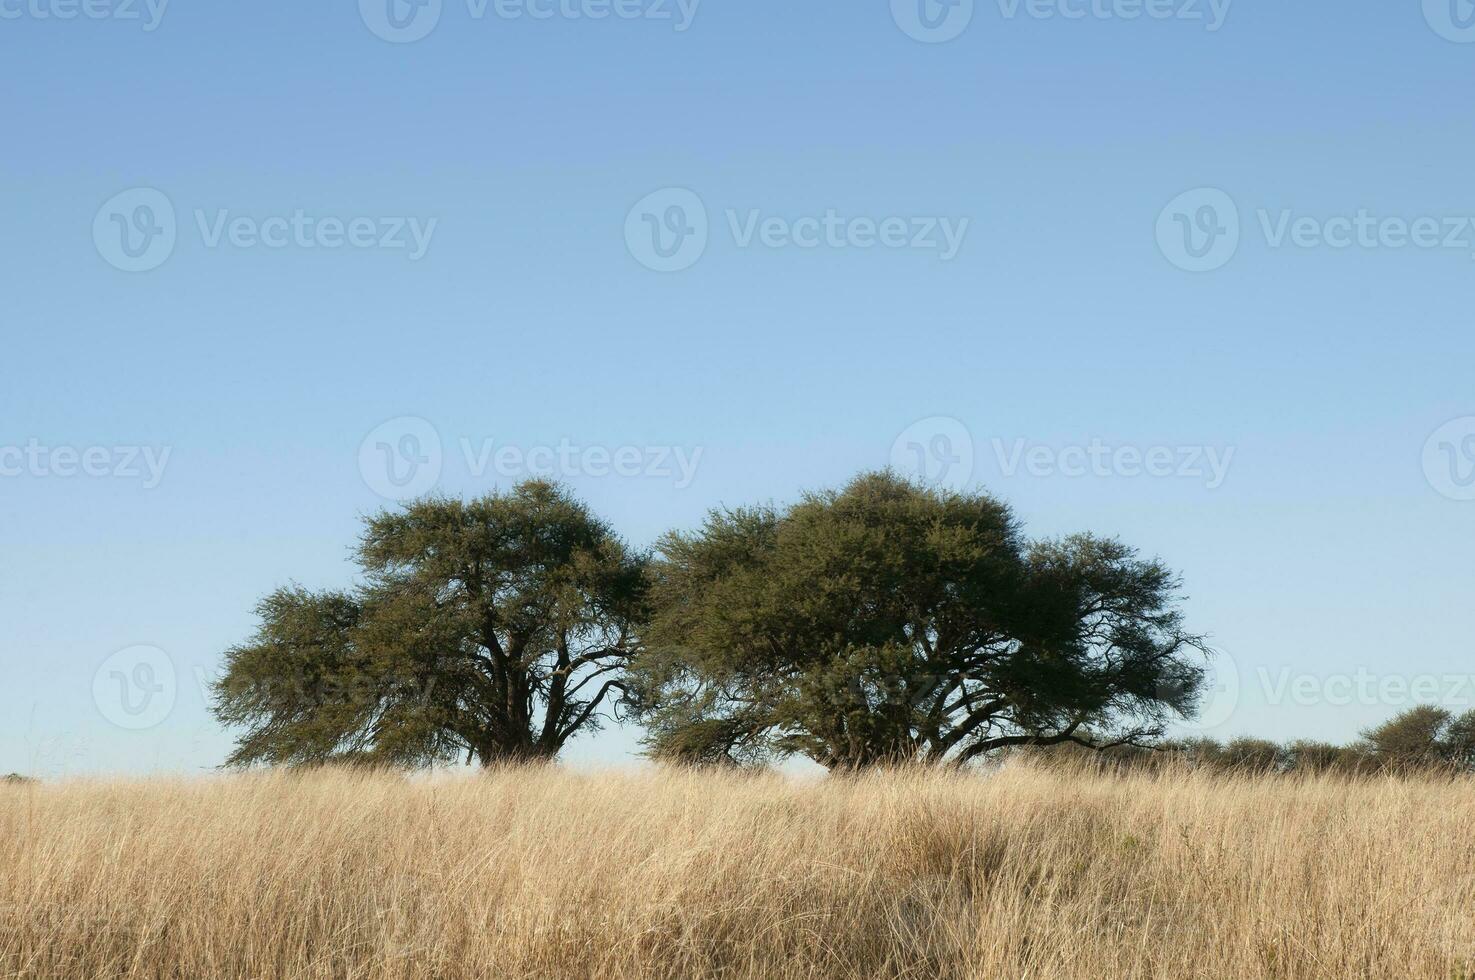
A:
495, 629
888, 622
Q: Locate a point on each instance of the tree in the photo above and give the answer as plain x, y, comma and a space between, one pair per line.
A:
496, 629
1459, 740
1410, 739
1424, 736
890, 622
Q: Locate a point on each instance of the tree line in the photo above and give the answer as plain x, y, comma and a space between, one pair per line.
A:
882, 622
1422, 739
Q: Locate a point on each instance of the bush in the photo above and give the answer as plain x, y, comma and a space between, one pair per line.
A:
1319, 757
1252, 755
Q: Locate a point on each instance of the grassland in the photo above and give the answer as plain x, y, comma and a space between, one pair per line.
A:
1026, 873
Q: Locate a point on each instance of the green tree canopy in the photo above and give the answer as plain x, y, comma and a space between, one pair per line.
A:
890, 622
1422, 736
495, 629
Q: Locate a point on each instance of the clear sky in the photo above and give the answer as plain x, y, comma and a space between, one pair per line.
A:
1154, 268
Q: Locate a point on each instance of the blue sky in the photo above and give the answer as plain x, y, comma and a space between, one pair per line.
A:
286, 322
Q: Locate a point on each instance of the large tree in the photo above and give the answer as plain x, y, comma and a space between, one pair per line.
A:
891, 622
494, 630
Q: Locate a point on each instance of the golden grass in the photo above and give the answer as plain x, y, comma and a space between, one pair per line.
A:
547, 873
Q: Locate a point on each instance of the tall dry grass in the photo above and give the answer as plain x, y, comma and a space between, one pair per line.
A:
548, 873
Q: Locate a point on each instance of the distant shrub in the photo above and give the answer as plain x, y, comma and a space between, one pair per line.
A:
1422, 739
1425, 737
1319, 757
1251, 755
1198, 752
1410, 740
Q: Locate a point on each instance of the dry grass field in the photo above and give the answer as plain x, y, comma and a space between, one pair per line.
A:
1027, 873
